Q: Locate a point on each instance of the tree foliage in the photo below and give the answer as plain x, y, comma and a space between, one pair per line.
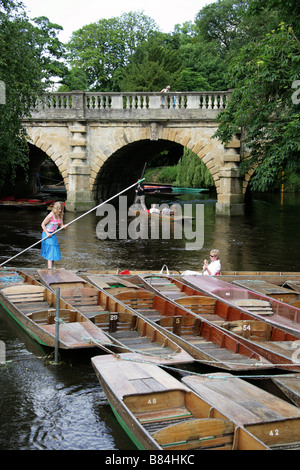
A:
264, 106
251, 46
29, 54
101, 49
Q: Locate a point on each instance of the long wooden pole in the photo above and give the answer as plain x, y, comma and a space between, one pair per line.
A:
75, 220
57, 326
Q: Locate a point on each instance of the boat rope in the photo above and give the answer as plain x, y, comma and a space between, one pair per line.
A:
10, 278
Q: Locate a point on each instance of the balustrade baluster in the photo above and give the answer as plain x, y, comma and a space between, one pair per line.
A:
83, 103
209, 106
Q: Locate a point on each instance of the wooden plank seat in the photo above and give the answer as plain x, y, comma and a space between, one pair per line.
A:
137, 300
179, 325
150, 314
251, 329
113, 322
259, 307
24, 293
80, 297
203, 433
199, 304
47, 317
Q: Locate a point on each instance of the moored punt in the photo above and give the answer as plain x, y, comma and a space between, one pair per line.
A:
293, 284
283, 294
242, 402
160, 413
290, 385
275, 344
33, 307
273, 311
275, 277
112, 284
247, 405
127, 331
12, 203
200, 339
260, 307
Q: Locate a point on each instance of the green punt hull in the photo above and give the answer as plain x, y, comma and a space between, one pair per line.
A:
22, 326
189, 190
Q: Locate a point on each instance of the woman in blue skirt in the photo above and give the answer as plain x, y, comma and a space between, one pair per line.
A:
50, 249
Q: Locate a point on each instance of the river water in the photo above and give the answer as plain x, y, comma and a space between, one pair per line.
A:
63, 407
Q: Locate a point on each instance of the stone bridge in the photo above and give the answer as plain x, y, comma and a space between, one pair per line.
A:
101, 141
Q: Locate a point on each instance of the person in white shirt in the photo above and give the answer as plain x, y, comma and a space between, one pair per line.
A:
214, 267
209, 269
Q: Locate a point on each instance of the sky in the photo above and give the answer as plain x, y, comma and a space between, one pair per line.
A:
74, 14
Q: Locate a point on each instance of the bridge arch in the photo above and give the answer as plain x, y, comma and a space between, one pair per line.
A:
85, 133
47, 143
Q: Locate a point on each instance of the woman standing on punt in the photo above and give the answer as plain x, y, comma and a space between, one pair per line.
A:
50, 249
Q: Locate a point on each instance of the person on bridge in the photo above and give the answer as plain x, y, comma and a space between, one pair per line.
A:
50, 248
209, 269
164, 100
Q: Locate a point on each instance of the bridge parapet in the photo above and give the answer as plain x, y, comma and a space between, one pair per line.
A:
78, 105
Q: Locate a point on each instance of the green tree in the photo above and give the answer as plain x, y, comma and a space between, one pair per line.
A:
74, 79
50, 50
265, 106
151, 68
101, 49
26, 59
192, 172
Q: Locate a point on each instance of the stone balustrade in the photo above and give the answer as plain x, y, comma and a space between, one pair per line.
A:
89, 105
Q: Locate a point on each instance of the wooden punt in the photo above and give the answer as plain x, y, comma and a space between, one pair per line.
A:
290, 385
283, 294
127, 331
260, 307
275, 277
33, 307
158, 412
201, 340
273, 343
245, 405
293, 284
112, 284
273, 311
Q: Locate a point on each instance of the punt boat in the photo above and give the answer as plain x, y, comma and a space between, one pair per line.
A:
288, 296
33, 307
240, 400
290, 385
274, 311
276, 344
200, 339
158, 412
258, 306
127, 331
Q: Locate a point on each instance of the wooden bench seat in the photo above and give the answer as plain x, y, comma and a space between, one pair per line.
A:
205, 433
24, 293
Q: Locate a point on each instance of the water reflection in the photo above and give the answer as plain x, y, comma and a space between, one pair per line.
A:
48, 407
264, 239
